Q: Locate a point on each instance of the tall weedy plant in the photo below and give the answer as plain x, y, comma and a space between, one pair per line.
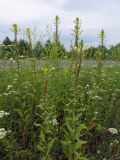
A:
101, 52
74, 49
29, 36
74, 127
56, 33
102, 37
15, 29
77, 31
56, 38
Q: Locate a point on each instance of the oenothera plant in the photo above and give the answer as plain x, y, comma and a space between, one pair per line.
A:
29, 36
48, 123
74, 127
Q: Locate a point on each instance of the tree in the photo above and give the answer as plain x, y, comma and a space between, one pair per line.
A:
90, 53
38, 49
114, 52
7, 48
23, 47
48, 46
7, 41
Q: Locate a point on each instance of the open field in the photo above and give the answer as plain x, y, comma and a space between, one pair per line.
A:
57, 102
60, 113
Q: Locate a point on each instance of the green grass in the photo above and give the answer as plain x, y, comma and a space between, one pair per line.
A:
53, 116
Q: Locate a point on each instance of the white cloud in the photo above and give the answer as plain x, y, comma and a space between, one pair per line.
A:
95, 15
23, 11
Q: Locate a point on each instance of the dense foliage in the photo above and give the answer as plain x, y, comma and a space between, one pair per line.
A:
59, 113
58, 110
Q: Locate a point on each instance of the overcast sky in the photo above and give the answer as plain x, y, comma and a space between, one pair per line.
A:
95, 15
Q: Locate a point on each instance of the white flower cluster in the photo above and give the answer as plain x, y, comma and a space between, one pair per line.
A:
3, 113
10, 90
90, 92
98, 152
10, 93
97, 98
116, 141
3, 133
11, 59
9, 87
113, 130
109, 78
54, 122
117, 90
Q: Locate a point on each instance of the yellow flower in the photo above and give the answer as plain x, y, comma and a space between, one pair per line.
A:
45, 70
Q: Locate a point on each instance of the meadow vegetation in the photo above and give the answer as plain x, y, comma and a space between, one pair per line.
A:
59, 113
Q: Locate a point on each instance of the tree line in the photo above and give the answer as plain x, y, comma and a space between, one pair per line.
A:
53, 47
